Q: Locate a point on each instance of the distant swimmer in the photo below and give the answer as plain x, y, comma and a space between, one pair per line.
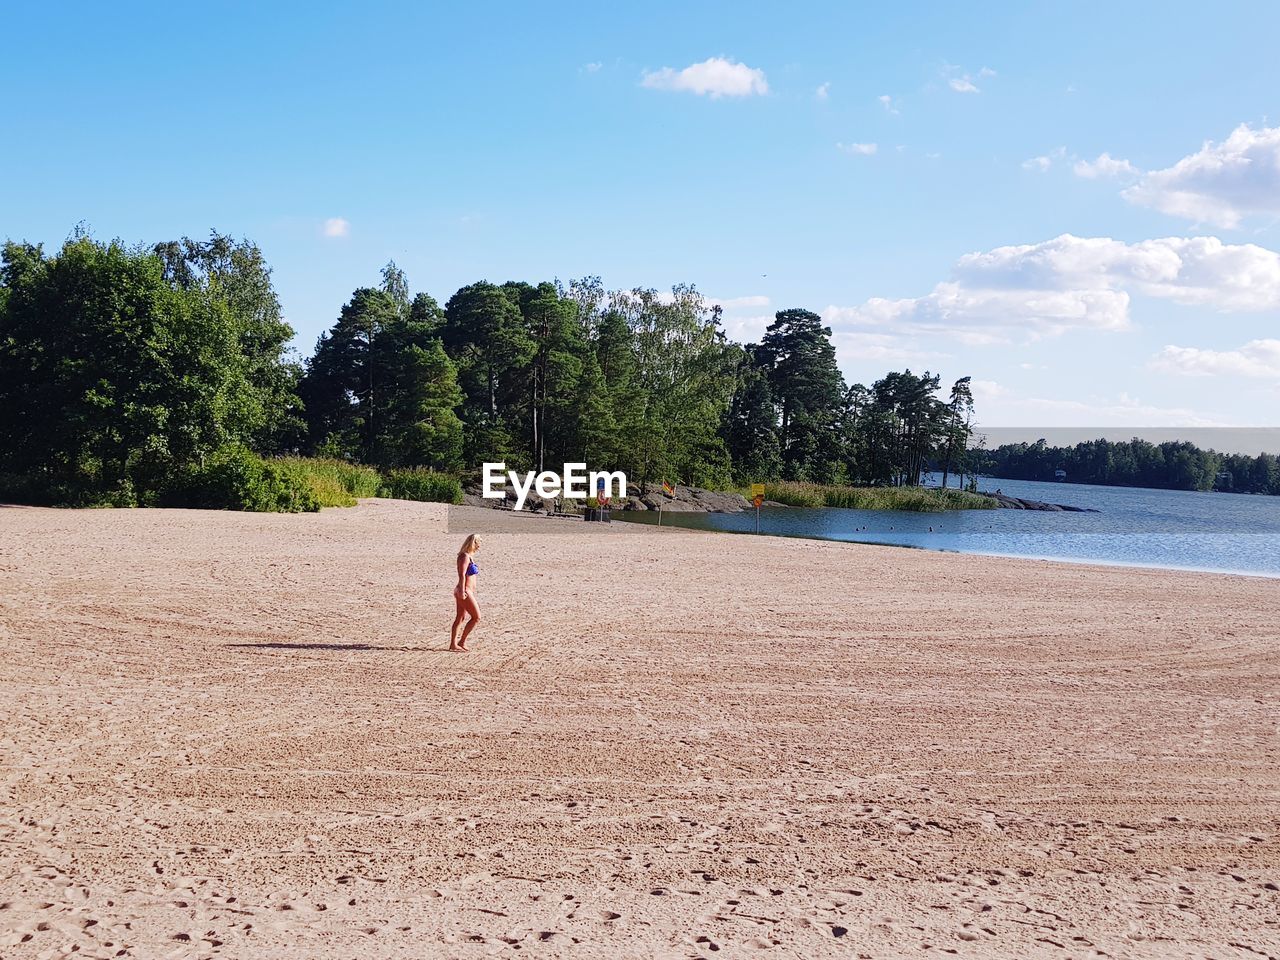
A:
464, 595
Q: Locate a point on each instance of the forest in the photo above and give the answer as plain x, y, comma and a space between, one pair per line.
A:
1171, 465
161, 374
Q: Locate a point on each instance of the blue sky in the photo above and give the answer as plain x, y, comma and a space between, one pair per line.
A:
929, 177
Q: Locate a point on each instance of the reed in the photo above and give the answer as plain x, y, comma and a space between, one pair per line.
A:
916, 499
335, 483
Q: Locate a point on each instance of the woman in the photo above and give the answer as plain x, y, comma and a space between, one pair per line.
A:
464, 594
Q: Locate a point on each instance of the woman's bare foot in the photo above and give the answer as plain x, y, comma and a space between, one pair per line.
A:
463, 648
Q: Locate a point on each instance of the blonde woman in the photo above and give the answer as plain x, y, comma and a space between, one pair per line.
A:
464, 595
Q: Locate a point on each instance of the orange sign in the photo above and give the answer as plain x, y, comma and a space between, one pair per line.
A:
758, 499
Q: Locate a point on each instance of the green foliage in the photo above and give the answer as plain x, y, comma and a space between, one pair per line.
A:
237, 273
334, 483
918, 499
126, 376
234, 478
380, 388
421, 484
1172, 465
114, 378
484, 331
675, 377
750, 429
799, 363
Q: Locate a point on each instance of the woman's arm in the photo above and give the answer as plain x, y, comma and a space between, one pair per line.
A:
463, 561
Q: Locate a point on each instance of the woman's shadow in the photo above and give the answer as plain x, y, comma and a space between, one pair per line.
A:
339, 647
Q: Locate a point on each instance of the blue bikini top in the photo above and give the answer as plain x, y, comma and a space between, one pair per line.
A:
472, 569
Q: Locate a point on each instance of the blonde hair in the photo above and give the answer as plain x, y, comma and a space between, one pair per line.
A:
471, 544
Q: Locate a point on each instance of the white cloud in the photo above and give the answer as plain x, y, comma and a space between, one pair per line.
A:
1068, 283
987, 390
1042, 164
1191, 270
860, 149
336, 227
961, 81
855, 347
979, 317
1221, 184
1105, 166
592, 67
889, 104
738, 303
823, 90
747, 328
715, 77
1257, 358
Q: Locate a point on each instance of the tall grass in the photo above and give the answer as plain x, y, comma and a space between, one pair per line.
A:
917, 499
334, 483
420, 483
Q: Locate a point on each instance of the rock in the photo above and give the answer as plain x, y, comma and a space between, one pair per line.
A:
682, 506
1015, 503
721, 502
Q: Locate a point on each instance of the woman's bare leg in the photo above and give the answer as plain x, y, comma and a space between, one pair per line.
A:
473, 610
459, 615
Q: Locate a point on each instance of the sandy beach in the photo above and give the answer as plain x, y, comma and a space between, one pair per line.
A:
240, 735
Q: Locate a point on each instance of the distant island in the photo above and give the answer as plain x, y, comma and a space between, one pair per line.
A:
1172, 465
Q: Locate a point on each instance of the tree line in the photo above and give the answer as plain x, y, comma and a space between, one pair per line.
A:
125, 371
1173, 465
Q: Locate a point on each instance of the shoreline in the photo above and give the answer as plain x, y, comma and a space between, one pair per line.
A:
1075, 561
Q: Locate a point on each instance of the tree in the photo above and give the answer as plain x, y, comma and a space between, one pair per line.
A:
554, 367
681, 380
236, 272
380, 388
341, 385
907, 421
958, 427
396, 285
484, 333
425, 431
750, 429
596, 433
115, 376
800, 363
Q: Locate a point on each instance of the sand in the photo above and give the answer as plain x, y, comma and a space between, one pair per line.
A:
241, 736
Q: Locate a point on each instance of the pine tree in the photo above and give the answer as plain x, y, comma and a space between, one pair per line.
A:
750, 429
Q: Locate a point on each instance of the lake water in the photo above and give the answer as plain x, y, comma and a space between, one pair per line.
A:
1224, 532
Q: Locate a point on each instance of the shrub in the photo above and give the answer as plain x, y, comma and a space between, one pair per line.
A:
234, 478
422, 484
334, 483
917, 499
15, 488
